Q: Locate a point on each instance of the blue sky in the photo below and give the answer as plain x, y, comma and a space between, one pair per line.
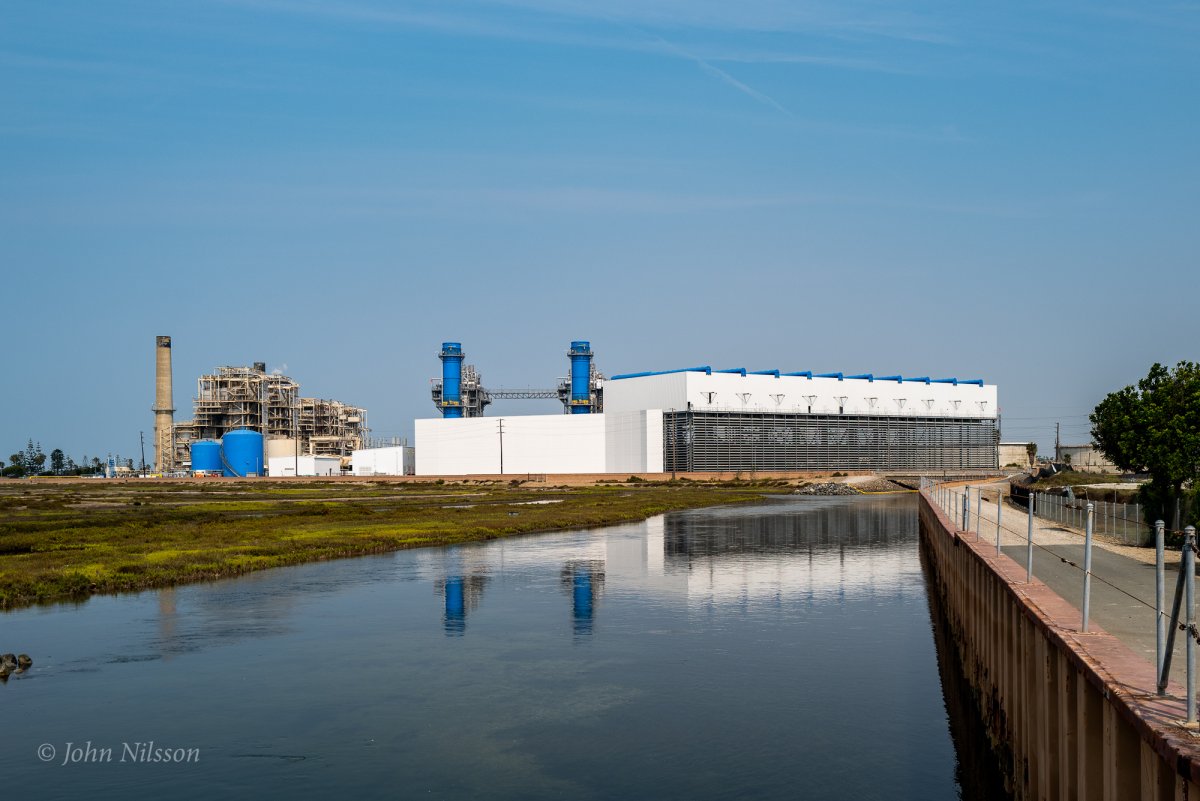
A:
997, 190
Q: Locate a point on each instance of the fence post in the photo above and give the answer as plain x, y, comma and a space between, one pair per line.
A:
1189, 566
966, 508
979, 514
1159, 596
1087, 565
999, 506
1029, 543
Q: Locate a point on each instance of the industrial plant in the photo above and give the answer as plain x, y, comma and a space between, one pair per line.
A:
243, 417
460, 392
700, 419
251, 422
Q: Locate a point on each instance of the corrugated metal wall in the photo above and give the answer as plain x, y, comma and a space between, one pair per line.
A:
732, 441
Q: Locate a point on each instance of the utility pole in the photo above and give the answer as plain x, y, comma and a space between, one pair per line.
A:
142, 441
501, 421
1057, 444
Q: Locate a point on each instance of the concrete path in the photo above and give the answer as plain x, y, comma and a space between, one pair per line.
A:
1057, 551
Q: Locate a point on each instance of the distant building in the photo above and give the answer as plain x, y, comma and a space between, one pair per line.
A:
1086, 459
1018, 454
322, 466
396, 460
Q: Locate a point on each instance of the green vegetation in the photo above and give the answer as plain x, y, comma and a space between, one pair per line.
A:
69, 539
1074, 478
1155, 426
1084, 486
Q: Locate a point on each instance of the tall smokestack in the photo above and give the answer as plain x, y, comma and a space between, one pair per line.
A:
164, 407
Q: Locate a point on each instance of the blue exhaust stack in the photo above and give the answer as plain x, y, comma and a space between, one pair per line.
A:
581, 377
452, 357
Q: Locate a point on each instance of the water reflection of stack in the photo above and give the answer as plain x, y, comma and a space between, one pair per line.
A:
462, 594
584, 580
167, 615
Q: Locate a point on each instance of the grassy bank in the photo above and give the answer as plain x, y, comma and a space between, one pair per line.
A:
61, 541
1073, 478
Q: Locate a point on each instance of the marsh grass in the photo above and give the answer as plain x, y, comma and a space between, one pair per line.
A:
62, 541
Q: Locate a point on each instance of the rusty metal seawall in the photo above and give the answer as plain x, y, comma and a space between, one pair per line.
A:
1071, 715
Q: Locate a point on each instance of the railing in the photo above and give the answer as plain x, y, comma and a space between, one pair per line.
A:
964, 505
1121, 521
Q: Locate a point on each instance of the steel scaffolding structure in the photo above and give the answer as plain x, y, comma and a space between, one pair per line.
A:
250, 397
746, 441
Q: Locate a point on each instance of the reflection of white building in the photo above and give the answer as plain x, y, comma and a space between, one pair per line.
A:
778, 574
644, 559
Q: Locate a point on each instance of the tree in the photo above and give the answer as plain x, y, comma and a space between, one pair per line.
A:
1155, 426
57, 461
35, 460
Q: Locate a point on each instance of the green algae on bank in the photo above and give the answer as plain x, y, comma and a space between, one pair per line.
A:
61, 541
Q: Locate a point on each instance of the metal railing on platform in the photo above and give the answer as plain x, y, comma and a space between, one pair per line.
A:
956, 501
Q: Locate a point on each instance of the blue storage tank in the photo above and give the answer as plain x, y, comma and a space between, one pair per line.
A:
581, 377
242, 453
206, 456
452, 358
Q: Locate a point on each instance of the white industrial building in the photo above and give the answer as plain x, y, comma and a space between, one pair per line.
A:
701, 419
302, 465
614, 442
394, 460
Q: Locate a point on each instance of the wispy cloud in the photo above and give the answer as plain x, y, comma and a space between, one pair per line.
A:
601, 26
724, 76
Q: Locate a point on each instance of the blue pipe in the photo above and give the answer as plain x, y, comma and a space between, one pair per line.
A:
740, 370
955, 381
838, 376
899, 379
922, 379
703, 369
765, 372
805, 373
581, 377
866, 376
452, 358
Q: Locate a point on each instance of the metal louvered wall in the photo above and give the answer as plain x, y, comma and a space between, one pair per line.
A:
732, 441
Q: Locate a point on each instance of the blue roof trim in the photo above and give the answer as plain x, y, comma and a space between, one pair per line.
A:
707, 370
704, 369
